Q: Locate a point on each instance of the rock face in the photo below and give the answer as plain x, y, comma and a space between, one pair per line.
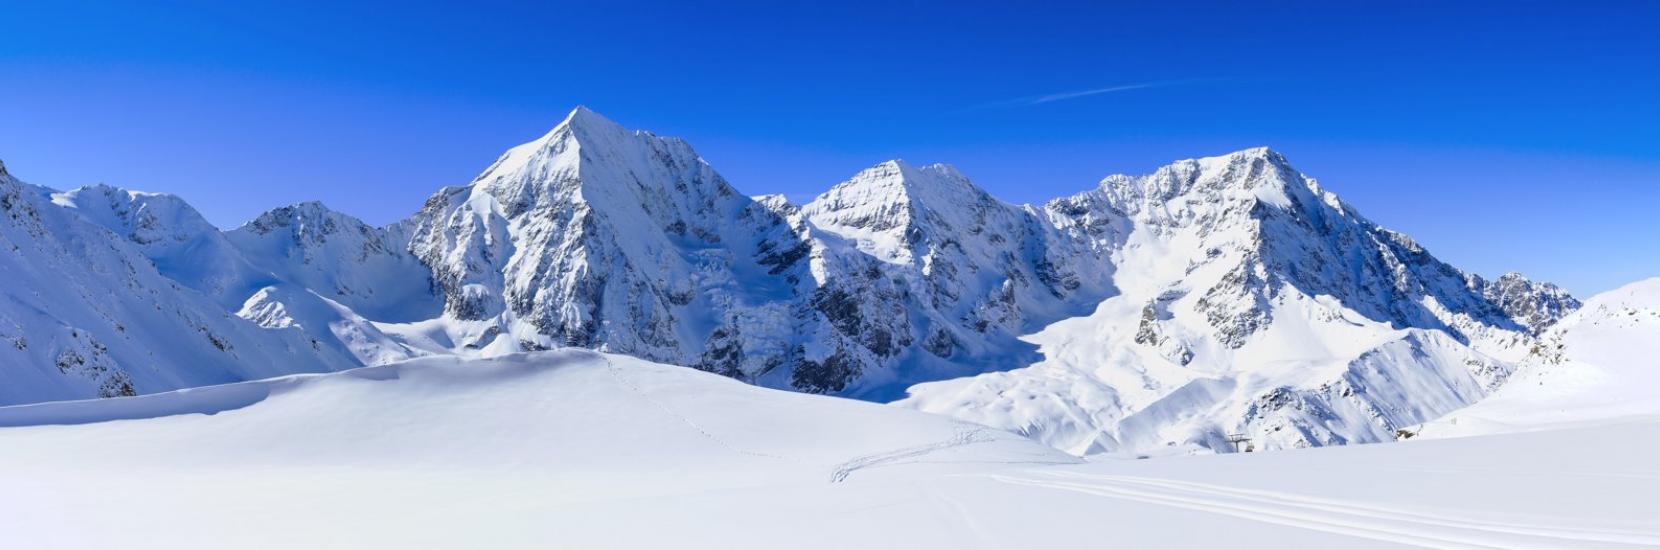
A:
1215, 296
1537, 306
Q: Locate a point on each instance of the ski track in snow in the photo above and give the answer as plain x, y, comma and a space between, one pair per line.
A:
1334, 516
616, 373
966, 435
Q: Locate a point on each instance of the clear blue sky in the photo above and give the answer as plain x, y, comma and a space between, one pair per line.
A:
1503, 136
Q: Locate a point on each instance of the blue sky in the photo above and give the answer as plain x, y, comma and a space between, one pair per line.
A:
1503, 136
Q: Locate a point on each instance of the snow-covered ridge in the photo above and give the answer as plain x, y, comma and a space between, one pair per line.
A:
1213, 296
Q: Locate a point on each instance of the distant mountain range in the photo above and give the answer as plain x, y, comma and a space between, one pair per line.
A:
1216, 296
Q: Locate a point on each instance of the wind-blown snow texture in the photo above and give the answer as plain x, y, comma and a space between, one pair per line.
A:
1219, 295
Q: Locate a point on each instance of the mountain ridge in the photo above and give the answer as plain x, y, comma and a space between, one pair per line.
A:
596, 236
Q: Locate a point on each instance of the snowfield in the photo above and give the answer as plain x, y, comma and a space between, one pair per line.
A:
574, 449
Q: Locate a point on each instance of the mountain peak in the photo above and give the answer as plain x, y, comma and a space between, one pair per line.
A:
308, 217
893, 187
896, 179
1258, 173
299, 210
1258, 152
1230, 162
897, 198
581, 128
585, 119
945, 170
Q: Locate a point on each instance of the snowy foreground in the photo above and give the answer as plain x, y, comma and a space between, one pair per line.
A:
572, 449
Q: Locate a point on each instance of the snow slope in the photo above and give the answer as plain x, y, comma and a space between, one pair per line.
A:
572, 449
1599, 365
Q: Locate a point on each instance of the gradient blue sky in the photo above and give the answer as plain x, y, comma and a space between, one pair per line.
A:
1503, 136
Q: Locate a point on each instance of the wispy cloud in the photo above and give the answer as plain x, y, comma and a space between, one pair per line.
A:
1075, 94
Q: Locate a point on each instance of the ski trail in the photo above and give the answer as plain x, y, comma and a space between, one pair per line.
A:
1334, 516
1339, 506
616, 373
965, 435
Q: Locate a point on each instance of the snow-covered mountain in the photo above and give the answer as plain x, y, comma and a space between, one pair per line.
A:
962, 273
1215, 296
1252, 301
1240, 296
596, 236
89, 306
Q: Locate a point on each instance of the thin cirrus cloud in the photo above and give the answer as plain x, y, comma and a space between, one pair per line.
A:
1076, 94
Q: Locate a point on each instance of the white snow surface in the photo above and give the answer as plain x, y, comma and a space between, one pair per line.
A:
573, 449
1598, 365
